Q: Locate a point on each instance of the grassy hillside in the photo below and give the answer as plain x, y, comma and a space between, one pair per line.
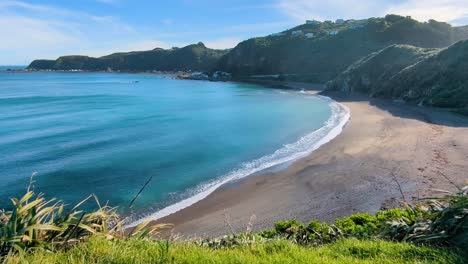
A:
195, 57
424, 76
440, 80
281, 251
333, 46
368, 73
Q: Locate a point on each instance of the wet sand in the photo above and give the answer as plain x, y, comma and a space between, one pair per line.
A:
384, 145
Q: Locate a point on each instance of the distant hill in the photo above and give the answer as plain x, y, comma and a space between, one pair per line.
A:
394, 57
195, 57
319, 51
424, 76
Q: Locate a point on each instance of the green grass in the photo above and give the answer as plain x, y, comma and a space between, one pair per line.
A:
99, 250
38, 231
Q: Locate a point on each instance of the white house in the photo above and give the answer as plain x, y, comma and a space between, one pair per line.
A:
297, 33
221, 75
199, 75
313, 22
277, 34
309, 35
334, 32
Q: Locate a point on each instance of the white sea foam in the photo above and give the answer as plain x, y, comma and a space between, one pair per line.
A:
288, 153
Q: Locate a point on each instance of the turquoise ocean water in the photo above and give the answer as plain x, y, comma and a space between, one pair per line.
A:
107, 134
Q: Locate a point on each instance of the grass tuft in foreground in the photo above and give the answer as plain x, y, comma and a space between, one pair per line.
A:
99, 250
35, 223
42, 231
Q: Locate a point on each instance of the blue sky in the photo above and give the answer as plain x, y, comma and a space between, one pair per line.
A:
49, 28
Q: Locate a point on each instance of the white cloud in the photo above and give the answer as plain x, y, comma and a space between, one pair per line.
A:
167, 21
24, 32
265, 26
440, 10
223, 43
112, 47
149, 44
300, 10
19, 4
47, 11
40, 31
423, 10
146, 45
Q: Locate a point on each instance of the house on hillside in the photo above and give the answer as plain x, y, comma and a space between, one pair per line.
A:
309, 35
313, 22
297, 33
339, 21
333, 33
277, 34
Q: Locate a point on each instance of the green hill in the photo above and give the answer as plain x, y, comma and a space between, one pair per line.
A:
424, 76
319, 52
195, 57
367, 74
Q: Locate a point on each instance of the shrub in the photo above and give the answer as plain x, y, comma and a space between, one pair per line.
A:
364, 225
319, 233
230, 241
35, 222
443, 222
288, 227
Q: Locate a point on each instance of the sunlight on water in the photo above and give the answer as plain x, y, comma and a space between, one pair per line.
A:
107, 133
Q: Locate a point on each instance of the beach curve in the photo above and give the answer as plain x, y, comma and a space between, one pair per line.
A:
340, 115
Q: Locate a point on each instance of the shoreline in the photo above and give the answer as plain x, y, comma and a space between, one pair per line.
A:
384, 143
340, 116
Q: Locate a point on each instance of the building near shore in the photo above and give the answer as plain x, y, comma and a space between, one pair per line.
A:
200, 75
221, 75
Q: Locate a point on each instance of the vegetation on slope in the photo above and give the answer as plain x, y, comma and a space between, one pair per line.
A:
369, 73
424, 76
442, 222
322, 57
195, 57
318, 53
38, 231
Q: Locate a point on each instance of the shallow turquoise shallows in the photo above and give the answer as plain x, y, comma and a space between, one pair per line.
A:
106, 134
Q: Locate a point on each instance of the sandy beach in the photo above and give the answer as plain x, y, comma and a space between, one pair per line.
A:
385, 145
